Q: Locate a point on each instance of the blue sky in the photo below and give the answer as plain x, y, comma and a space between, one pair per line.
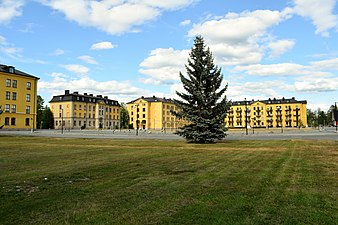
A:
130, 48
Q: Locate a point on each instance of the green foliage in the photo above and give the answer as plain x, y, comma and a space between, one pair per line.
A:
124, 116
47, 119
203, 104
319, 117
39, 109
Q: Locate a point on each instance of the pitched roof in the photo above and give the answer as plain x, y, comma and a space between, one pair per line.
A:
12, 70
271, 101
76, 97
153, 99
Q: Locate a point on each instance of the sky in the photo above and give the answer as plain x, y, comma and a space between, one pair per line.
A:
125, 49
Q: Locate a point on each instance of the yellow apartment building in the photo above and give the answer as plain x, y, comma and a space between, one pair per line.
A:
269, 113
18, 98
153, 113
85, 111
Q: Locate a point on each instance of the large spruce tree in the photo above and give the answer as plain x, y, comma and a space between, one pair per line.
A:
204, 104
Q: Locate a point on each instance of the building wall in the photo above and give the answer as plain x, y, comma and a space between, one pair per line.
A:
153, 114
20, 108
77, 115
260, 114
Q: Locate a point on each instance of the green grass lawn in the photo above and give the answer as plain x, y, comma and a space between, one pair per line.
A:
94, 181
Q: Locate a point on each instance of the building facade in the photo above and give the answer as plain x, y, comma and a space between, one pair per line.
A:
269, 113
18, 98
153, 113
85, 111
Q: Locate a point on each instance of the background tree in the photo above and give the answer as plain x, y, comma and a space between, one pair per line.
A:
124, 116
39, 109
203, 105
47, 118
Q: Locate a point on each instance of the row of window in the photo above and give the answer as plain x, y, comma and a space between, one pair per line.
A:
14, 96
12, 121
90, 123
13, 109
115, 110
14, 84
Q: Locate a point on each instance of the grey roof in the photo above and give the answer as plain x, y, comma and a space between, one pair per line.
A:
6, 69
88, 98
271, 101
153, 99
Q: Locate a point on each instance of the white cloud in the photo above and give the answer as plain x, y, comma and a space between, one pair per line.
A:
3, 40
320, 12
60, 82
163, 65
328, 64
10, 9
281, 69
114, 16
185, 23
102, 45
77, 69
234, 38
88, 59
58, 52
279, 47
310, 84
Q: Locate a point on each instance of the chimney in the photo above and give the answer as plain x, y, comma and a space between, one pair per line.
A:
76, 93
91, 95
66, 92
85, 93
106, 97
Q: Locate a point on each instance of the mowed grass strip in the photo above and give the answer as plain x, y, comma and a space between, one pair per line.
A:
95, 181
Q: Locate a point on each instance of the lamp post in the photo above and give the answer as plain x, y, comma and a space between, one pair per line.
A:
61, 120
137, 120
246, 117
335, 115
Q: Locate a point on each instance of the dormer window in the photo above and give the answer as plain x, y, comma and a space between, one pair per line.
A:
11, 69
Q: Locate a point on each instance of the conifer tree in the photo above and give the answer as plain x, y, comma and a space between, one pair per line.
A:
203, 104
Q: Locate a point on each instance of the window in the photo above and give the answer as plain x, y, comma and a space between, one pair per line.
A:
28, 85
13, 108
8, 83
27, 121
13, 121
7, 121
8, 95
79, 123
28, 109
7, 108
14, 96
90, 123
74, 123
74, 107
28, 97
15, 84
56, 123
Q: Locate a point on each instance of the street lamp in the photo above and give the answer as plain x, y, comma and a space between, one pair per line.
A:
137, 120
246, 117
61, 120
335, 116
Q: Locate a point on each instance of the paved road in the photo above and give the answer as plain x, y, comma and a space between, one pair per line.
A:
263, 134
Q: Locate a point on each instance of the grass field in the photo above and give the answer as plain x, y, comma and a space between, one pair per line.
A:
94, 181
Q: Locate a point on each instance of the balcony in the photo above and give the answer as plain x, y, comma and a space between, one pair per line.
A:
238, 110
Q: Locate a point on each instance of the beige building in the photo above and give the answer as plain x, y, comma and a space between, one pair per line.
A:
267, 113
85, 111
153, 113
18, 98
